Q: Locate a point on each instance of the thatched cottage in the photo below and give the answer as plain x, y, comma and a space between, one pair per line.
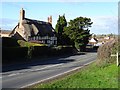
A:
34, 30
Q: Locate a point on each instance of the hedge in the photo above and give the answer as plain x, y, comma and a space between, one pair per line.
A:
14, 50
14, 53
9, 42
39, 51
105, 51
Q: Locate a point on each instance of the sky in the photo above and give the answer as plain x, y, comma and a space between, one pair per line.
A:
104, 15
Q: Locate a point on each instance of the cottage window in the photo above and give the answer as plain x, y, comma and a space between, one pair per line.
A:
45, 41
47, 37
34, 38
37, 38
48, 41
54, 42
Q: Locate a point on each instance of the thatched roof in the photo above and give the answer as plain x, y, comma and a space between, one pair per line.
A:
35, 27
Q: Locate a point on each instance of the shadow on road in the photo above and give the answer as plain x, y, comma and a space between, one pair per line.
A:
40, 61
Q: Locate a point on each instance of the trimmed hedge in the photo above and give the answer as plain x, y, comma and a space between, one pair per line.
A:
9, 42
39, 51
13, 50
12, 53
50, 51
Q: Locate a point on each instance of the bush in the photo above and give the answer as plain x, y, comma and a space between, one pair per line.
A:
23, 43
105, 51
18, 54
66, 50
10, 54
39, 51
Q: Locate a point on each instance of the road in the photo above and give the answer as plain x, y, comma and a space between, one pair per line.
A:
23, 75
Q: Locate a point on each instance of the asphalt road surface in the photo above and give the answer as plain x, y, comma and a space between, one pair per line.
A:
23, 75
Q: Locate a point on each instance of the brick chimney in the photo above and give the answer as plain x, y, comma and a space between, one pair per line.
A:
50, 20
22, 16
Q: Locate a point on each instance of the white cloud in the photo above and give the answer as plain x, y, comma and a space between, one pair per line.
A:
7, 24
104, 25
101, 24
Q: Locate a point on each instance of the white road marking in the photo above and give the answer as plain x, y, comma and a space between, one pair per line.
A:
47, 67
55, 75
14, 74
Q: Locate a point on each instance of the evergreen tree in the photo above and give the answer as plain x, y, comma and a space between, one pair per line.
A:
61, 23
78, 31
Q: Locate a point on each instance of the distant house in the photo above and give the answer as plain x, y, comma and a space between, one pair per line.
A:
107, 38
34, 30
93, 41
5, 33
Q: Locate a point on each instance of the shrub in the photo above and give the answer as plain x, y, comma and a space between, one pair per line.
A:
10, 54
28, 44
105, 51
39, 51
14, 54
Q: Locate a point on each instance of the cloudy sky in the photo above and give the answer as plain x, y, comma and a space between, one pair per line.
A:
104, 15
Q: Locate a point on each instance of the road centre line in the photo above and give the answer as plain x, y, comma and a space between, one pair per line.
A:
29, 70
13, 74
47, 67
55, 75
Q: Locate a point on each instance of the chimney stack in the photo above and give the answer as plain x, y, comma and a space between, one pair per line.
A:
50, 20
22, 16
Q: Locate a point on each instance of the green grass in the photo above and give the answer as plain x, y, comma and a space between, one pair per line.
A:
28, 44
91, 76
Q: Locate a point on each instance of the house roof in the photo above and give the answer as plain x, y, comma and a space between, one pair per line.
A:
93, 40
36, 27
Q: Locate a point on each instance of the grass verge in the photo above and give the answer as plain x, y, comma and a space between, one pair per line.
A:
91, 76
